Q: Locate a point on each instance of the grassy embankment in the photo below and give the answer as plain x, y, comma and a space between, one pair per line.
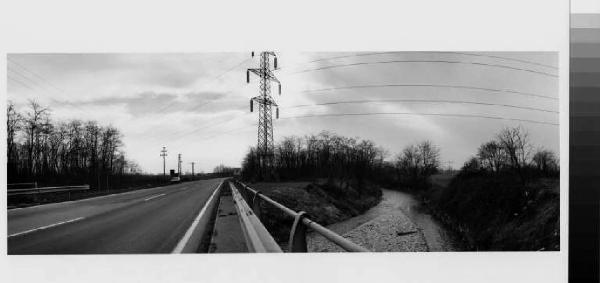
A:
496, 212
324, 202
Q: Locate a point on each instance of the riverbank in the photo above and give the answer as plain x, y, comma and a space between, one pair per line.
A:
398, 223
495, 212
324, 202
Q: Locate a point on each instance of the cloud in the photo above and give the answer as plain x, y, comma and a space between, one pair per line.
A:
197, 104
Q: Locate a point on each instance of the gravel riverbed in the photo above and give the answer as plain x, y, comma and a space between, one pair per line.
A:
396, 224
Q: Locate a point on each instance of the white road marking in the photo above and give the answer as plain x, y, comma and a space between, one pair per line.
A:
85, 199
188, 234
46, 227
153, 197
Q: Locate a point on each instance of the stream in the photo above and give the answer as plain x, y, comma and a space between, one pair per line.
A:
436, 236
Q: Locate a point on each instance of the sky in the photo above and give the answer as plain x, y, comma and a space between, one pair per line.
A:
197, 104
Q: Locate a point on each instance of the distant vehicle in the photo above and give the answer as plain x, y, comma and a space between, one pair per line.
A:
174, 177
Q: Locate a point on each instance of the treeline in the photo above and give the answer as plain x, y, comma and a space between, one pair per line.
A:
415, 164
224, 170
511, 151
61, 153
506, 197
325, 155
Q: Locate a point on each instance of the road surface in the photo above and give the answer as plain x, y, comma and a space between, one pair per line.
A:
144, 221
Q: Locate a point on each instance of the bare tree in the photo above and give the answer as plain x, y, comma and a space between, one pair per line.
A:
515, 143
430, 156
417, 162
33, 127
325, 155
545, 161
492, 156
472, 165
13, 125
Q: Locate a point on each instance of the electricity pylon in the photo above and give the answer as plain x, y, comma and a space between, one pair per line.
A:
163, 153
265, 104
179, 165
193, 163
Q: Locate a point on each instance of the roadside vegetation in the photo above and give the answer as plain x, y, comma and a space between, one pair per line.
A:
331, 177
506, 197
75, 152
64, 152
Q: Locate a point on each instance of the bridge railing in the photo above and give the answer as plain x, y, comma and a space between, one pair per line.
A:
36, 190
297, 239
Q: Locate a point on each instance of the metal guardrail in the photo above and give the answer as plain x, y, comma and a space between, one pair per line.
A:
32, 191
258, 239
34, 184
297, 239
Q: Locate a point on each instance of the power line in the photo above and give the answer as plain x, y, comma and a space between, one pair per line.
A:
180, 134
26, 78
231, 131
423, 101
399, 85
431, 85
35, 88
42, 79
269, 76
427, 61
439, 52
210, 80
418, 114
35, 74
21, 83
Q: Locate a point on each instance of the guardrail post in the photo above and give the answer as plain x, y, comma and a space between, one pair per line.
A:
256, 204
247, 193
297, 242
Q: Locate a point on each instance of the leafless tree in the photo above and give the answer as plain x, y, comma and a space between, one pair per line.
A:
13, 125
72, 150
34, 124
545, 161
515, 143
492, 156
417, 162
326, 155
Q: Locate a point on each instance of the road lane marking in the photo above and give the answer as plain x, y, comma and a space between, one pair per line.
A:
153, 197
90, 199
46, 227
188, 234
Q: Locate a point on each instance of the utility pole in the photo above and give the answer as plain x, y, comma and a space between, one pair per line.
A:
179, 165
193, 169
265, 104
163, 153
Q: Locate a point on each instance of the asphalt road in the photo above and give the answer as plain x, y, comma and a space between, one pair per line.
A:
144, 221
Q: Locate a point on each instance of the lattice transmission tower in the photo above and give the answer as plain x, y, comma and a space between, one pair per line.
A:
265, 105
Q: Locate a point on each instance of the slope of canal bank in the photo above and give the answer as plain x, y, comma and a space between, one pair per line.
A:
398, 223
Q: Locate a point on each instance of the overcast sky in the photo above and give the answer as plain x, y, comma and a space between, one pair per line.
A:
197, 104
